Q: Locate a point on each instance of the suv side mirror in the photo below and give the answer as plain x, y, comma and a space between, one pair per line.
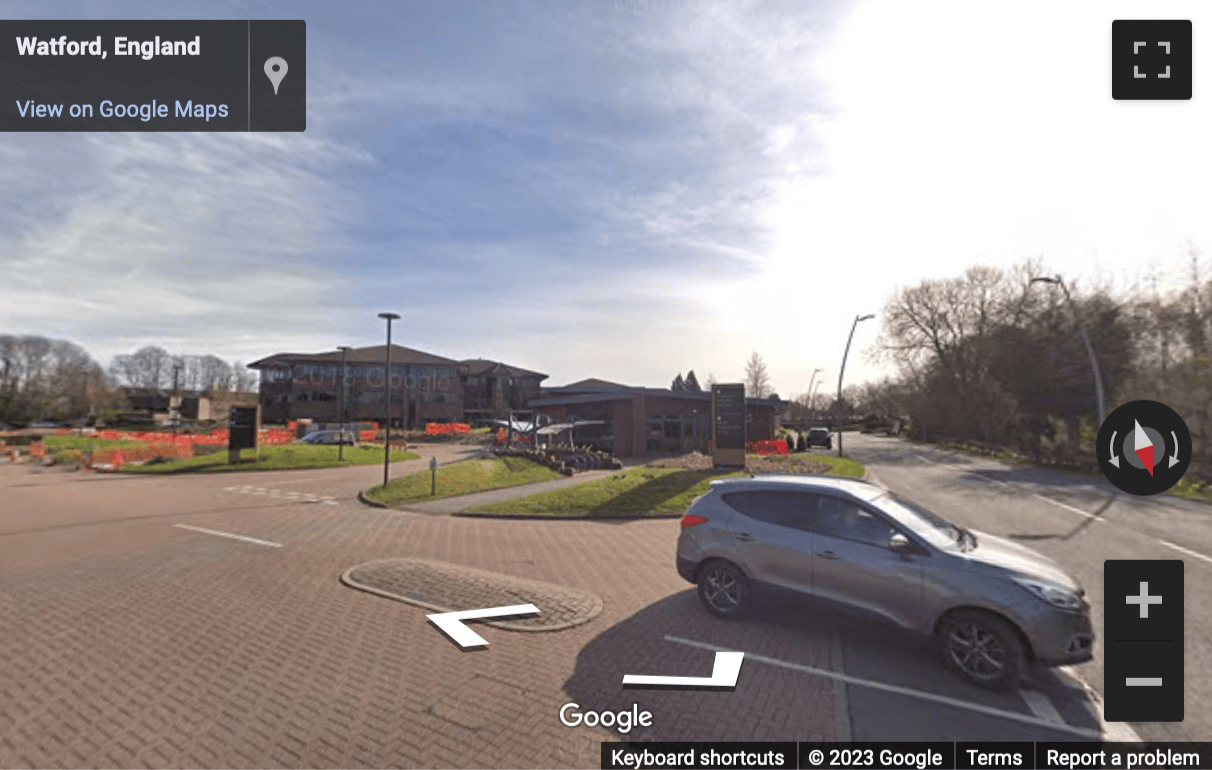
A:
898, 543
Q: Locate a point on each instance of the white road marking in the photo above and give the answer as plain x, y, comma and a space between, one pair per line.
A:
305, 497
923, 459
228, 534
1067, 507
999, 482
908, 691
1187, 551
1041, 706
1067, 677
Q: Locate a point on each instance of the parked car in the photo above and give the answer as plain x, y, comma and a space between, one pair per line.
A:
819, 437
328, 437
991, 605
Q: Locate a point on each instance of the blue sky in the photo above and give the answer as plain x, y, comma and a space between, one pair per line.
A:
624, 189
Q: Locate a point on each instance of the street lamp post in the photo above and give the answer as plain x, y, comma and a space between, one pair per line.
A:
841, 374
389, 317
341, 441
818, 387
1094, 370
815, 372
174, 409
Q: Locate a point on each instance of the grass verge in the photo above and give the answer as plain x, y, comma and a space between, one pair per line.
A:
647, 491
463, 478
274, 458
57, 443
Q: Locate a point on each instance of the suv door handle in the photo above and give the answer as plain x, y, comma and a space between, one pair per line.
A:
744, 536
828, 555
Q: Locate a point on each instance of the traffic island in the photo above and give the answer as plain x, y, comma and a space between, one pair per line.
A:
442, 587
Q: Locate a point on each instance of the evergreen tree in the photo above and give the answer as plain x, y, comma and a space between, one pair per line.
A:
692, 382
678, 383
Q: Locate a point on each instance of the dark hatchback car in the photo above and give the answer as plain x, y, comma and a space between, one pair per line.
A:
819, 437
991, 605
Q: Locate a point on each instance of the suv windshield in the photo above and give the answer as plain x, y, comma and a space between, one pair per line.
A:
925, 522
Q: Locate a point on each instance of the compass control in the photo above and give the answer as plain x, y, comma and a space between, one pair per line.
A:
1144, 448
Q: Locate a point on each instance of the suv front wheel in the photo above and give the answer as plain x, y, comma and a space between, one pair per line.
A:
982, 648
723, 589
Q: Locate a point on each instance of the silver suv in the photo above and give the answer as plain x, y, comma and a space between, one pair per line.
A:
991, 604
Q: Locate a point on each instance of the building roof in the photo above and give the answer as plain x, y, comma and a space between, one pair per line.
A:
371, 355
479, 367
580, 393
594, 383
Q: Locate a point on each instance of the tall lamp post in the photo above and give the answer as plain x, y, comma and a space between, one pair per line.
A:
818, 387
1094, 370
815, 372
389, 317
174, 408
341, 441
841, 374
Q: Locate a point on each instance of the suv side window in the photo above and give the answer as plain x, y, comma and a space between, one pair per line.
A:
786, 509
846, 519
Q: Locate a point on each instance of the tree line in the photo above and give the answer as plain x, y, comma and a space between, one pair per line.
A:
50, 379
997, 356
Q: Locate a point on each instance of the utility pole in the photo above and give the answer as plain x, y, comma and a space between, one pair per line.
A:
841, 374
1098, 376
344, 418
389, 317
174, 408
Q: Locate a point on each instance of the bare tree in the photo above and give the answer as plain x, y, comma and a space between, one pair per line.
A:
244, 380
217, 376
757, 380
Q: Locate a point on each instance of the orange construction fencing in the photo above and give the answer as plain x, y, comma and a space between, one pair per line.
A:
768, 447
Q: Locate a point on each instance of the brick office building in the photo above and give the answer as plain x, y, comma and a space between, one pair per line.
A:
641, 420
492, 389
425, 387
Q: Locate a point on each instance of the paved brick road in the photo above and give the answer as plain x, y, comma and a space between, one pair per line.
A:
130, 642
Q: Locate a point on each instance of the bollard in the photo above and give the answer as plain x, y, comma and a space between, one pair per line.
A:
433, 472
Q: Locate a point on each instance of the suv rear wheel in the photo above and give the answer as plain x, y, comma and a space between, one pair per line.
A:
982, 648
723, 589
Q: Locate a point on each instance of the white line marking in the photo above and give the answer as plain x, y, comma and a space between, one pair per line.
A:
929, 696
995, 481
1041, 706
724, 673
923, 459
228, 534
1187, 551
1067, 507
1066, 676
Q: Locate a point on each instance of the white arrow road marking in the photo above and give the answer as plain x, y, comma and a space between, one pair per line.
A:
724, 674
1174, 457
1114, 457
452, 622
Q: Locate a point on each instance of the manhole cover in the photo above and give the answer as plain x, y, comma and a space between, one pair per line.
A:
444, 587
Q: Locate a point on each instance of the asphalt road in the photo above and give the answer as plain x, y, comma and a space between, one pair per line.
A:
1078, 521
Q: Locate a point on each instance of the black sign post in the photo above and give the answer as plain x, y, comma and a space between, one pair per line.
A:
243, 423
728, 439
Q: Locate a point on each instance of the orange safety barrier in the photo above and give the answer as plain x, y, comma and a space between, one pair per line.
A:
768, 447
119, 456
444, 428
